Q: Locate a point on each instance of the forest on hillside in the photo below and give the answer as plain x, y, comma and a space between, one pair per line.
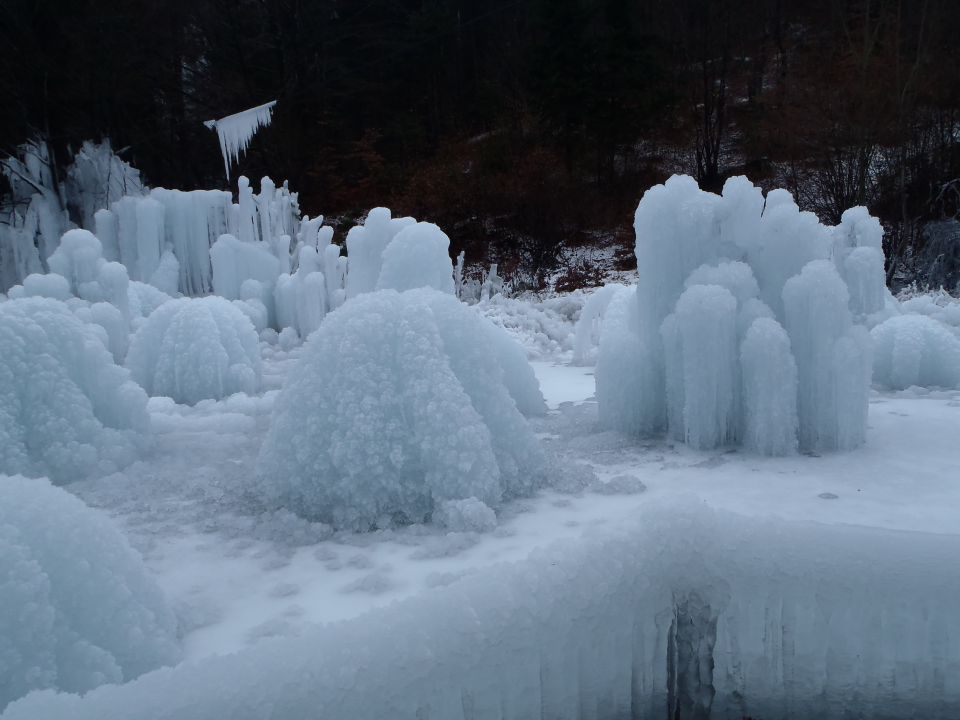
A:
520, 126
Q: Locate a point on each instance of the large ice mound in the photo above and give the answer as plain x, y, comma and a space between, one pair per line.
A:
194, 349
681, 354
66, 410
915, 350
78, 608
396, 405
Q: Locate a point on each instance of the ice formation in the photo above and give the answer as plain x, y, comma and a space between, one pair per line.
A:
587, 332
832, 356
700, 353
79, 609
193, 349
684, 614
418, 256
365, 246
236, 131
915, 350
316, 287
67, 410
769, 389
712, 266
396, 405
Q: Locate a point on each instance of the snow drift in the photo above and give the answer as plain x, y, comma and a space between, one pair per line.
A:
397, 404
194, 349
675, 357
66, 409
79, 609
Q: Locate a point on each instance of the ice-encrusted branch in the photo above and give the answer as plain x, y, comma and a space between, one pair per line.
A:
235, 131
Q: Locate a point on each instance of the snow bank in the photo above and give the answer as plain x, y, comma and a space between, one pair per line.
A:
684, 613
79, 609
710, 267
193, 349
396, 404
66, 410
915, 350
419, 256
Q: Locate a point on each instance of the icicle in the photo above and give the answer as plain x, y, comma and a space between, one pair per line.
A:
236, 131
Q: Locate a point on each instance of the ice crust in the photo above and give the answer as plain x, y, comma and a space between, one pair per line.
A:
684, 613
396, 404
79, 609
712, 266
193, 349
66, 409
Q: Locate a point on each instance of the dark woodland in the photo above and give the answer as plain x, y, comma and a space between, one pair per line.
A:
520, 126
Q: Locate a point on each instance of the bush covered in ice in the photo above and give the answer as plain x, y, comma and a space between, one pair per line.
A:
396, 405
194, 349
78, 608
66, 410
419, 256
743, 301
915, 350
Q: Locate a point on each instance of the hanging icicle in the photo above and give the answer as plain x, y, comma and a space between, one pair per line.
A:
236, 131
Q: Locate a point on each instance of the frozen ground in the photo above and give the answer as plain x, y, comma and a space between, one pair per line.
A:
235, 578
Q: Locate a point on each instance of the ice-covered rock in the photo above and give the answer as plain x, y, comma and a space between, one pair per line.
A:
193, 349
79, 609
915, 350
67, 410
418, 256
397, 404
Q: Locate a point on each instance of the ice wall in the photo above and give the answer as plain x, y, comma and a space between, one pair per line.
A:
684, 613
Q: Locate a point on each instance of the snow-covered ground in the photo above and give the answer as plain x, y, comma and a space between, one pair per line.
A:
236, 578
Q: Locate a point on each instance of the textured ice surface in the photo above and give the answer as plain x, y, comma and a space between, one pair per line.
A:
682, 613
915, 350
79, 609
193, 349
396, 404
418, 256
66, 410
